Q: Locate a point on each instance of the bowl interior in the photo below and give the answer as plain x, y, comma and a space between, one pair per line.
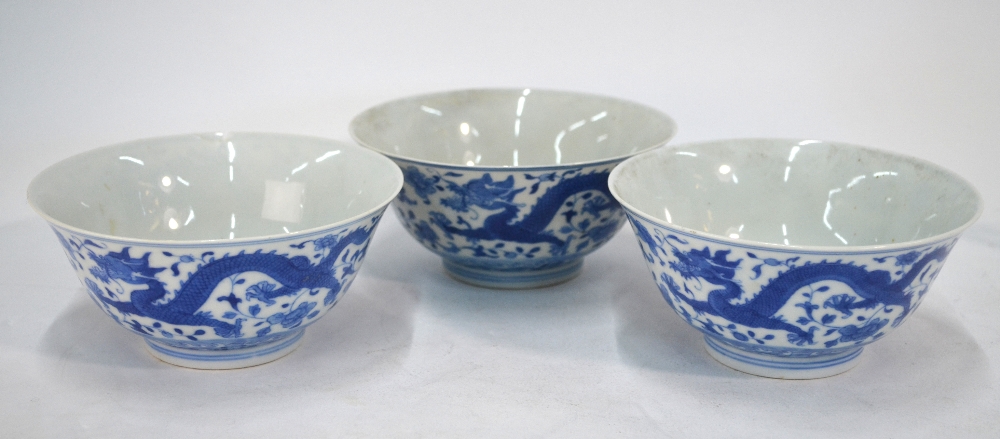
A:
214, 186
511, 128
792, 192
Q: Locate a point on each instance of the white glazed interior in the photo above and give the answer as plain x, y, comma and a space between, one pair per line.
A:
521, 127
796, 192
214, 187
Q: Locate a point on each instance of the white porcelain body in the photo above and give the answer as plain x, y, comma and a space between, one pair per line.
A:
791, 255
217, 248
509, 187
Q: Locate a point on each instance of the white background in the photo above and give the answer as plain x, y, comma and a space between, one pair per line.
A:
408, 351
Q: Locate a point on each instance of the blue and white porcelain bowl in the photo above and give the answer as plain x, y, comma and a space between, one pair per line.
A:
219, 249
510, 187
791, 255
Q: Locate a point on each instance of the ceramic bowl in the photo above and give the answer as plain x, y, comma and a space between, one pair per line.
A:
510, 187
791, 255
219, 249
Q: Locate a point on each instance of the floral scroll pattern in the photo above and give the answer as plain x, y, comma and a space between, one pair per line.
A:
517, 220
767, 301
218, 297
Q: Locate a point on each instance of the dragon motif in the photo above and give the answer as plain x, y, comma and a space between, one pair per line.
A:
871, 291
149, 296
574, 208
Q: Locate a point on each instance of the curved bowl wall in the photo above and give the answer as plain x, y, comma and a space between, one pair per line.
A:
510, 186
220, 306
792, 255
510, 228
787, 313
219, 249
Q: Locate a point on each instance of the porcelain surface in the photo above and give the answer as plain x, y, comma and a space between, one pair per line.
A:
791, 255
218, 248
509, 187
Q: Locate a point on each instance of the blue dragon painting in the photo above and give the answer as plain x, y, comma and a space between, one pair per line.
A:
726, 298
148, 295
573, 205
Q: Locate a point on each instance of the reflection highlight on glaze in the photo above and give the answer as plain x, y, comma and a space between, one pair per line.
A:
131, 159
826, 213
841, 238
791, 157
855, 181
791, 154
559, 138
327, 155
734, 232
520, 109
300, 167
232, 156
166, 184
283, 201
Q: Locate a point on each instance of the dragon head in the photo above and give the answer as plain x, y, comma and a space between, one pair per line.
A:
702, 264
482, 192
122, 266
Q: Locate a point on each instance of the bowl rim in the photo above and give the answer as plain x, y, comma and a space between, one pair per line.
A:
669, 121
795, 248
215, 242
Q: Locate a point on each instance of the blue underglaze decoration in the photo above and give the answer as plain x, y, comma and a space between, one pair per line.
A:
225, 352
194, 300
766, 302
509, 220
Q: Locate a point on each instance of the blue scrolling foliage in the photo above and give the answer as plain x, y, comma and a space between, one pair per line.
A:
294, 274
874, 288
498, 197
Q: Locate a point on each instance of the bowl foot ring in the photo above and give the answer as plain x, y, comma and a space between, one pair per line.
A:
514, 279
776, 366
224, 359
